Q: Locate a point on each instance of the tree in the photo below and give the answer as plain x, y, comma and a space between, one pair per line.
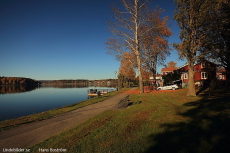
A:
191, 18
126, 66
171, 64
217, 45
170, 77
126, 71
127, 27
154, 43
223, 29
212, 24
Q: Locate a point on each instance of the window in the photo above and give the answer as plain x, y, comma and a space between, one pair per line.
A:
185, 75
220, 76
204, 75
203, 65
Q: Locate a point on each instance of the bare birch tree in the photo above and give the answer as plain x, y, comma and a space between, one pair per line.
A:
126, 27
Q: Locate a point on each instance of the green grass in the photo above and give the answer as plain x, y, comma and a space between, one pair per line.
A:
162, 122
7, 124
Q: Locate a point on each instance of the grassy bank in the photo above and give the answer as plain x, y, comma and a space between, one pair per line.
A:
154, 122
7, 124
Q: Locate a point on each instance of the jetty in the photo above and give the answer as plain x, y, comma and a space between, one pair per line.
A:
96, 92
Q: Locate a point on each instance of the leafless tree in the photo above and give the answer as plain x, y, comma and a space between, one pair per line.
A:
127, 27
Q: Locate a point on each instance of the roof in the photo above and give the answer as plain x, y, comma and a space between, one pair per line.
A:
221, 70
183, 65
168, 69
186, 64
157, 75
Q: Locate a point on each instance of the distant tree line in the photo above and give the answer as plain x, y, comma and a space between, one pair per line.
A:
16, 81
65, 82
78, 81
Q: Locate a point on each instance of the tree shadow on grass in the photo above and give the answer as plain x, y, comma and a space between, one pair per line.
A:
207, 130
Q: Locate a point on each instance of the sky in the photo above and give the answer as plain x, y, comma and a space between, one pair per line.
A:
62, 39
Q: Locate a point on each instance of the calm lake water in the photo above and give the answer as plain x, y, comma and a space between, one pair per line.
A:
17, 101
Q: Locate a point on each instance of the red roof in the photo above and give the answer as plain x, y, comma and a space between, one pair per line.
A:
168, 69
221, 70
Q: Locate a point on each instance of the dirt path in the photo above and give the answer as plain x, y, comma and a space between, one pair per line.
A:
30, 134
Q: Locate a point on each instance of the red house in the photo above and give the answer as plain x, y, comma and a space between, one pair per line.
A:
221, 74
202, 71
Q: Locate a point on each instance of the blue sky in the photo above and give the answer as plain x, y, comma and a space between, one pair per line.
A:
62, 39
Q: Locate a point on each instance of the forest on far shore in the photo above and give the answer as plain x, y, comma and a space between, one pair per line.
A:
16, 81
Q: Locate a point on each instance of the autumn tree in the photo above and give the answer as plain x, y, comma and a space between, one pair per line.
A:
191, 18
146, 73
122, 81
154, 44
126, 66
171, 64
16, 81
126, 71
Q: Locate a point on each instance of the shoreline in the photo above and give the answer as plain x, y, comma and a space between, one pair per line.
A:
11, 123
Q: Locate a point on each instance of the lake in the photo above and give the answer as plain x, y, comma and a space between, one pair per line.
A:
18, 101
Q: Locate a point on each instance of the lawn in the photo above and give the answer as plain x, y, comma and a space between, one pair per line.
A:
154, 122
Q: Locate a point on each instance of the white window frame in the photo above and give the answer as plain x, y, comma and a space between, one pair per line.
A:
185, 75
220, 76
204, 75
203, 65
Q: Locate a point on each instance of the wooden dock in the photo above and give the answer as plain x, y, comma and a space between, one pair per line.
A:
96, 92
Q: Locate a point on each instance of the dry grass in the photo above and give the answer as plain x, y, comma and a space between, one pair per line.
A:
161, 122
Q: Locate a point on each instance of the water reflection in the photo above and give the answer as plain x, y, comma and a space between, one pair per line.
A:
35, 99
9, 89
62, 86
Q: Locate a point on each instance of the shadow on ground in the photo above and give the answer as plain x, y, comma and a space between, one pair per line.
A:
124, 103
207, 130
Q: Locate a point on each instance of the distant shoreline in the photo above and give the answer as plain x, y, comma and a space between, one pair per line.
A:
29, 81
